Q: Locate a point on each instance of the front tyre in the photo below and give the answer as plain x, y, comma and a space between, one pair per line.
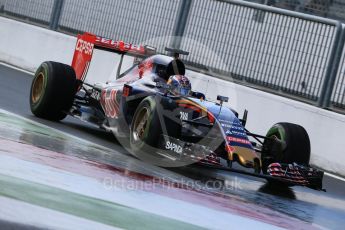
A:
150, 122
145, 128
288, 143
52, 91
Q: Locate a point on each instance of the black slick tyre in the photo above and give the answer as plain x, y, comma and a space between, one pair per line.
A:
289, 143
52, 91
149, 124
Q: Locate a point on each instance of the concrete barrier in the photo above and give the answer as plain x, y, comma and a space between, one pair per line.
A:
26, 46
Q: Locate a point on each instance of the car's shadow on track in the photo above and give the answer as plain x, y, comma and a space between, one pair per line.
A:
199, 173
278, 190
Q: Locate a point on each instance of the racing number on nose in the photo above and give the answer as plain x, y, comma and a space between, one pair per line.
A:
183, 116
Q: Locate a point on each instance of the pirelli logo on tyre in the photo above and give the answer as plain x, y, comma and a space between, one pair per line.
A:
84, 47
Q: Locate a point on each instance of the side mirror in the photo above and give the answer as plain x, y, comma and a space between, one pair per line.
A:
222, 99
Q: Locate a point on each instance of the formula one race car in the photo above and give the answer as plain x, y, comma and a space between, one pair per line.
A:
154, 113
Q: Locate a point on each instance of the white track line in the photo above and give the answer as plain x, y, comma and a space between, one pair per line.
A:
17, 68
335, 176
56, 130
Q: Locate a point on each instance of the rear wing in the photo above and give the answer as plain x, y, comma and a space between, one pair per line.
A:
87, 42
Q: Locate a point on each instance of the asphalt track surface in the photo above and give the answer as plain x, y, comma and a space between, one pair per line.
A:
323, 209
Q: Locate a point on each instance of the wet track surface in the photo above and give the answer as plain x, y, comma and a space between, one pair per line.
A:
326, 210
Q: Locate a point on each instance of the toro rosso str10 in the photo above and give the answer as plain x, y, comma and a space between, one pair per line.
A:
153, 111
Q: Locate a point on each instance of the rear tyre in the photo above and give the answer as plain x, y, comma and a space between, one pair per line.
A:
52, 91
289, 144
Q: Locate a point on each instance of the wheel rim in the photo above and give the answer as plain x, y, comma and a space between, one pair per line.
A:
37, 88
140, 124
257, 168
267, 159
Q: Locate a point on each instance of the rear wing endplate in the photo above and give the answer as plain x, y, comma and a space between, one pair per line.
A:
87, 42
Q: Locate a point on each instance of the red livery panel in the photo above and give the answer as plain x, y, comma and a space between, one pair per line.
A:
87, 42
83, 55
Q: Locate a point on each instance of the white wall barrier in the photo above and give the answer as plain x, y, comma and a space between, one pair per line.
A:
26, 46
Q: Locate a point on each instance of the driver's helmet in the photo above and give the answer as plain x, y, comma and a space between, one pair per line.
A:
180, 85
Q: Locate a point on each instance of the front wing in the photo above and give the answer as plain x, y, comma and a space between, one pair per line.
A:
285, 174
